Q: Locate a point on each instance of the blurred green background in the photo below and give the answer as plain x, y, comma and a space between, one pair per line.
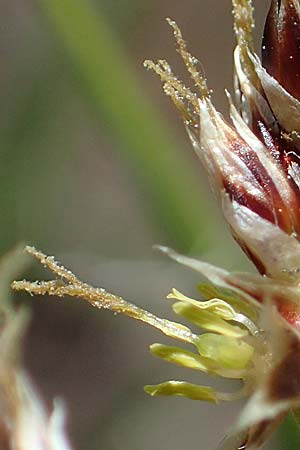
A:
96, 168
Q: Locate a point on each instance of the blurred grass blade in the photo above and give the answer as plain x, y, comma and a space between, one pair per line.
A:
289, 432
108, 80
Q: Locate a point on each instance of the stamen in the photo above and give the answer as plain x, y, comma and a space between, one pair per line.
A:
247, 323
232, 396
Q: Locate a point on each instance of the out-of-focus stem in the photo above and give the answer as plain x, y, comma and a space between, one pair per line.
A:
108, 79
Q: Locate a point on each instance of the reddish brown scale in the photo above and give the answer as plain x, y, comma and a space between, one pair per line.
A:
281, 45
271, 207
285, 379
291, 313
257, 434
284, 153
258, 264
242, 197
249, 157
283, 384
270, 45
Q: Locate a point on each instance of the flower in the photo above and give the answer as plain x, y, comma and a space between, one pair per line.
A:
233, 346
253, 167
251, 322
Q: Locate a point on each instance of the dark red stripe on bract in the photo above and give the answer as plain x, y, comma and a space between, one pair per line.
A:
270, 205
256, 261
285, 153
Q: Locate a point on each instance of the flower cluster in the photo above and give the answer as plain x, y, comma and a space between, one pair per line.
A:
251, 322
253, 166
